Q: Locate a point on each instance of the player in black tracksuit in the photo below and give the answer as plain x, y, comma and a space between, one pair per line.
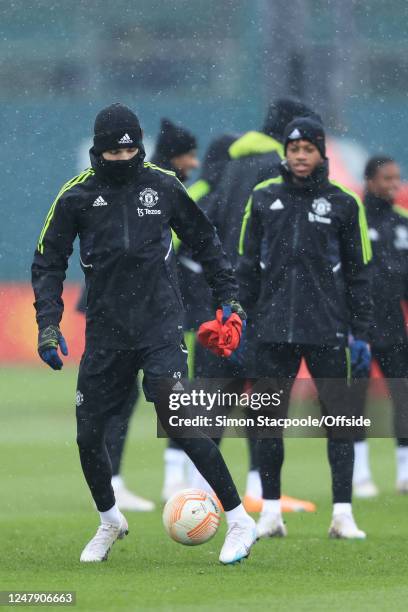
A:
304, 276
253, 157
195, 292
388, 230
123, 211
197, 298
175, 150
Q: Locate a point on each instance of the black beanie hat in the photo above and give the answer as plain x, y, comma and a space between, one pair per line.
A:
218, 150
174, 140
281, 112
216, 157
306, 128
116, 127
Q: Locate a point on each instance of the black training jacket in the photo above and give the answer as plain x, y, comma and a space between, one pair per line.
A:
127, 256
254, 158
303, 261
388, 231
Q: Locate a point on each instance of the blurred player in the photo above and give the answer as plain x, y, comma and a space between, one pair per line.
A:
196, 294
388, 230
116, 433
197, 298
176, 150
123, 210
303, 272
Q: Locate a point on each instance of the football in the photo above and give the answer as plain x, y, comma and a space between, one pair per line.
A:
191, 517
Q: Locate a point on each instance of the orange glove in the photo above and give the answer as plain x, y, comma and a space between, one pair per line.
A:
221, 336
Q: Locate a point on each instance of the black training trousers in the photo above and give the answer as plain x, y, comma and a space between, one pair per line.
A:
105, 380
117, 429
282, 361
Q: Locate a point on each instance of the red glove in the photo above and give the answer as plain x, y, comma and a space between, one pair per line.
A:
221, 338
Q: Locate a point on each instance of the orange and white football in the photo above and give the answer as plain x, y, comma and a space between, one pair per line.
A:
191, 517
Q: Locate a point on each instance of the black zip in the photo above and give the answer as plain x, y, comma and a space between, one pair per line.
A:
125, 227
295, 242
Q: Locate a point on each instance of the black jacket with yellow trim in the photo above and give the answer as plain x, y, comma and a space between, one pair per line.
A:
303, 266
388, 231
133, 296
254, 157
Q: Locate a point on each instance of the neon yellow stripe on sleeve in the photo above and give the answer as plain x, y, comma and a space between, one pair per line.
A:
198, 190
362, 220
245, 219
75, 181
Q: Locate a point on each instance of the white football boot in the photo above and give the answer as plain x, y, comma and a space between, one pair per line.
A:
270, 525
126, 500
343, 526
240, 538
98, 548
365, 489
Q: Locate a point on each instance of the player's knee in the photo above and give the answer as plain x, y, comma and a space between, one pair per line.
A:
89, 437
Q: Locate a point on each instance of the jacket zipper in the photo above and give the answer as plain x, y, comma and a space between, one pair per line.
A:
126, 228
295, 242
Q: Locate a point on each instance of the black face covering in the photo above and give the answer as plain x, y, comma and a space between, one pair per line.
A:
120, 171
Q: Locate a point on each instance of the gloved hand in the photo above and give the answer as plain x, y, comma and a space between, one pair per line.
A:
238, 355
360, 358
222, 336
235, 307
49, 339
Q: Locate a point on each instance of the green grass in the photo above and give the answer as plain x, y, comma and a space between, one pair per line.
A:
47, 517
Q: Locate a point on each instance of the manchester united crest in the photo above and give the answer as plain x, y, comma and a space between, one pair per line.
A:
321, 206
148, 197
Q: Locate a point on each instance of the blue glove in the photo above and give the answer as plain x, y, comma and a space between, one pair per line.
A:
360, 358
236, 307
49, 339
238, 355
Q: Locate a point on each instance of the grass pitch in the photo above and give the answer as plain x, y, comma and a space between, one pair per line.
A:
47, 517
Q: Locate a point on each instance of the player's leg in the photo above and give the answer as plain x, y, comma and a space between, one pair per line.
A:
105, 380
116, 434
329, 368
117, 428
393, 362
175, 465
209, 366
253, 488
161, 363
363, 484
279, 362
